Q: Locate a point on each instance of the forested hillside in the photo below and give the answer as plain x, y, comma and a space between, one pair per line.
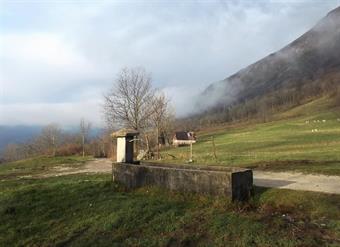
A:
304, 70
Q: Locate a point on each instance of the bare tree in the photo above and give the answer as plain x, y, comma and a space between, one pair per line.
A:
168, 124
49, 138
129, 101
159, 115
10, 152
84, 133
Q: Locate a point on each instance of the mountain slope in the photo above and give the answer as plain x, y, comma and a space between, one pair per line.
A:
311, 57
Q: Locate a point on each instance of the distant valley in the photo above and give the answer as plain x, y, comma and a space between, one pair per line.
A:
17, 134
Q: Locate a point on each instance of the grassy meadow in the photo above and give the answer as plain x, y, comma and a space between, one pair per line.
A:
91, 210
289, 142
39, 166
38, 208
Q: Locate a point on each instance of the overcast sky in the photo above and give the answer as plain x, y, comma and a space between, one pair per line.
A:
58, 57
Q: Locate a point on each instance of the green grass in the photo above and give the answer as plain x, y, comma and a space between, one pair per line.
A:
286, 143
91, 210
39, 165
88, 210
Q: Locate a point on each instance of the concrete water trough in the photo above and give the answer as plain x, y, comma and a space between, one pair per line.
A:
236, 183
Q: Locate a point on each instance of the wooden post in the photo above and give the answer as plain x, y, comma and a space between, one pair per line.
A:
214, 148
83, 142
147, 146
112, 149
157, 143
190, 160
54, 145
103, 148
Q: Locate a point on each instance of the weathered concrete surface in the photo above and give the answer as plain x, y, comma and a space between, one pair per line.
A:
231, 182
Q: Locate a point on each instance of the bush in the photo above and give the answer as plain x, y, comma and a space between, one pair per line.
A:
69, 149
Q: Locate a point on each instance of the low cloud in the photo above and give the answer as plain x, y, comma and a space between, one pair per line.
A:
66, 114
56, 59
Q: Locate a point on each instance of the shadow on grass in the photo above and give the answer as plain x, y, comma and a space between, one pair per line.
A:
327, 167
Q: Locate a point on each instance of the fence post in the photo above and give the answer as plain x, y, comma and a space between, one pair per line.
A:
214, 148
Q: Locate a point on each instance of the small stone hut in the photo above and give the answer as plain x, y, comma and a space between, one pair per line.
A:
182, 138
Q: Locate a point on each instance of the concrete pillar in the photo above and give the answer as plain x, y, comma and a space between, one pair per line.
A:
121, 149
125, 144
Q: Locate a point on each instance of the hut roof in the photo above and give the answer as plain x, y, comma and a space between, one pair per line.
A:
183, 135
125, 132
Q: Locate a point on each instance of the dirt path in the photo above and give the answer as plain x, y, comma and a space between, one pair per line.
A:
298, 181
98, 165
92, 166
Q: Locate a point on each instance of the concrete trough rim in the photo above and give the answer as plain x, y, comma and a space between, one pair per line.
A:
191, 167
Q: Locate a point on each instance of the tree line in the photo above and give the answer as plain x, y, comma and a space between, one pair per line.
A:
262, 108
132, 102
54, 141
